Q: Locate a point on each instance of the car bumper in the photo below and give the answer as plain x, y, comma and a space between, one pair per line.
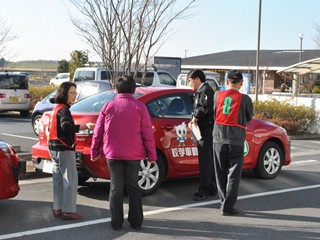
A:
85, 167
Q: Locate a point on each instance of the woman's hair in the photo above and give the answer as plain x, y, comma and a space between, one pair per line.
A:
62, 92
125, 84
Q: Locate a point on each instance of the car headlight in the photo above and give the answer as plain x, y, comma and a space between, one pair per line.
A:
40, 126
5, 147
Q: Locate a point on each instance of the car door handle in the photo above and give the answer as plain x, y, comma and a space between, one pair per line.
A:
167, 127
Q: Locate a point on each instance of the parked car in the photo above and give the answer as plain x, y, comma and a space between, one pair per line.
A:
267, 147
60, 78
153, 78
9, 171
84, 89
182, 81
14, 93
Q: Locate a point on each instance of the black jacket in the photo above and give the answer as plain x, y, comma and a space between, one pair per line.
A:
203, 106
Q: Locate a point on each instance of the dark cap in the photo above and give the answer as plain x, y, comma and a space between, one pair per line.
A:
235, 75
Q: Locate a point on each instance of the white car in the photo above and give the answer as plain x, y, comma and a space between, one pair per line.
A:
60, 78
182, 82
14, 93
153, 78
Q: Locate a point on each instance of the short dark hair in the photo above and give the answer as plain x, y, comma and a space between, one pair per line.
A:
234, 76
62, 92
197, 73
125, 84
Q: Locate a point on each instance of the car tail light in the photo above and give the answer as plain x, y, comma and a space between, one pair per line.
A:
10, 153
27, 95
2, 95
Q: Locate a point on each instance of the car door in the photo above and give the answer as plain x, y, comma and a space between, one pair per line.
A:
171, 115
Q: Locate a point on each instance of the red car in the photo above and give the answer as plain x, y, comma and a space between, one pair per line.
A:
9, 170
267, 147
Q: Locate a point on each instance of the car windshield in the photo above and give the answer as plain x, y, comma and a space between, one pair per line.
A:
95, 102
13, 82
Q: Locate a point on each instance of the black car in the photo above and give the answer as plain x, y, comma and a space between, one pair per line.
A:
84, 89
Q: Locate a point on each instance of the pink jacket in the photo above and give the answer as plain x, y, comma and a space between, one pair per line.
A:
124, 131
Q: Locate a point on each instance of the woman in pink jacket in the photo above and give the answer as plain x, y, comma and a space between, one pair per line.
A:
124, 132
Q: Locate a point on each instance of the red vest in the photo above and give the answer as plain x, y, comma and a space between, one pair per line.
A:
227, 108
53, 129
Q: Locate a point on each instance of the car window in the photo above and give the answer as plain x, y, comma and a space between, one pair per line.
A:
213, 84
84, 75
148, 79
172, 106
167, 79
105, 75
85, 91
95, 102
183, 79
50, 95
13, 82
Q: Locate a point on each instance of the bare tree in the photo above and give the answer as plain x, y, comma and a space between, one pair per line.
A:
316, 38
125, 33
6, 35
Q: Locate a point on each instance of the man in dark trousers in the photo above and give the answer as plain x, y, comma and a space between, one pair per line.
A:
203, 117
233, 111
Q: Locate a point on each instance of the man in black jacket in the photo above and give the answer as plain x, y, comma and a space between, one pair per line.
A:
203, 117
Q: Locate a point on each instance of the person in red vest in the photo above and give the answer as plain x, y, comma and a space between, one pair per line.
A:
232, 112
62, 131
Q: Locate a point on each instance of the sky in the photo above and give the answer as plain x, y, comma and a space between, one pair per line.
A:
45, 31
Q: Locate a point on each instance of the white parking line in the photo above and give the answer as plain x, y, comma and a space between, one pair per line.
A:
304, 162
152, 212
18, 136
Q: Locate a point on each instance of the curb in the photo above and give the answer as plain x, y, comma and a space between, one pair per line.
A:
305, 137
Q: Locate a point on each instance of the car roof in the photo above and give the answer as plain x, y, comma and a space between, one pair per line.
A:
14, 73
160, 90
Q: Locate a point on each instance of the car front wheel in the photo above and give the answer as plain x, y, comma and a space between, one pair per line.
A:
270, 161
151, 175
35, 123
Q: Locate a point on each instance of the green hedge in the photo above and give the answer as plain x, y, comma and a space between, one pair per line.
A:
38, 93
295, 119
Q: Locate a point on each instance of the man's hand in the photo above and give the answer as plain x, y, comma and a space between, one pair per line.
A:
194, 122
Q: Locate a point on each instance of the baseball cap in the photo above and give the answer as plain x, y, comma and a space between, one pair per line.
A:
234, 75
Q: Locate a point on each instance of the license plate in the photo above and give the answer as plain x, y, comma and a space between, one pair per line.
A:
47, 166
14, 99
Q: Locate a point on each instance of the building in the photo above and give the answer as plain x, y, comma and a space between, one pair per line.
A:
271, 61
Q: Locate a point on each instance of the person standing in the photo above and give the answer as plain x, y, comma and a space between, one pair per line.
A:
203, 117
233, 111
124, 133
62, 131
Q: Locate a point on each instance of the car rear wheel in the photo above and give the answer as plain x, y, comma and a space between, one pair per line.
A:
24, 113
270, 161
35, 123
151, 175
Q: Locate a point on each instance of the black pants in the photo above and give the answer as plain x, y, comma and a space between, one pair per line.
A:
125, 172
228, 160
207, 177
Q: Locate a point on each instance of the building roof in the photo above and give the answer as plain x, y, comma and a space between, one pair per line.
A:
246, 59
301, 68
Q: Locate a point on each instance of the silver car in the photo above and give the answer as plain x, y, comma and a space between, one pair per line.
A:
14, 93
